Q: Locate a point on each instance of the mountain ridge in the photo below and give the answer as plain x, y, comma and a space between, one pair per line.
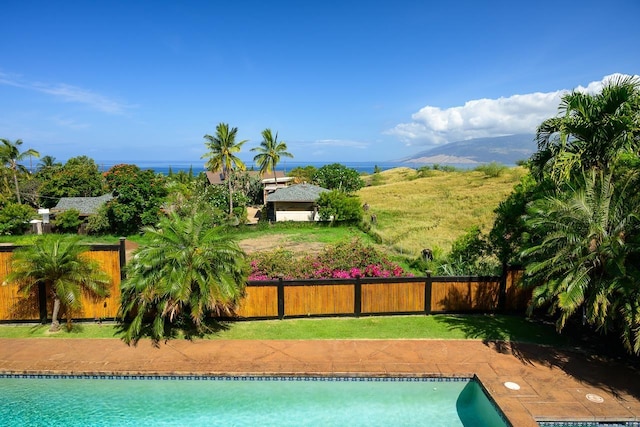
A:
507, 150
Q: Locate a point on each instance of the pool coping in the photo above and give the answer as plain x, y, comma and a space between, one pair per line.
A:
554, 382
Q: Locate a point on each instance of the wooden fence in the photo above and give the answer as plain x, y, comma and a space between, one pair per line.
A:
277, 299
37, 306
383, 296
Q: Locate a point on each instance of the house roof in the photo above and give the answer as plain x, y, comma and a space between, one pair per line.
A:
296, 193
85, 205
216, 178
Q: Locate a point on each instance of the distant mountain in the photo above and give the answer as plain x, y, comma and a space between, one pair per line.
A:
502, 149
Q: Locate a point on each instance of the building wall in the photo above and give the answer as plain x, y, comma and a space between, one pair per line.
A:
295, 211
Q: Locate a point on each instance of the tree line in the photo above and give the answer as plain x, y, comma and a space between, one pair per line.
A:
141, 197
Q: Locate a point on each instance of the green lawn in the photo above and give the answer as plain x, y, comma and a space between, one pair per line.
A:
481, 327
302, 232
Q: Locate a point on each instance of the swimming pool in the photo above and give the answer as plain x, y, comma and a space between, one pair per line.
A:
243, 401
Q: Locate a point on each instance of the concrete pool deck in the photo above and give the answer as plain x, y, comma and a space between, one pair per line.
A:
554, 384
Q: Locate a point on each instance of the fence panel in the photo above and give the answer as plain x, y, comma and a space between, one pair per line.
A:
259, 301
517, 298
393, 297
464, 295
322, 299
13, 305
103, 308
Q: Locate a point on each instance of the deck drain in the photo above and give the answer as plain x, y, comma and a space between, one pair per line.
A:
512, 386
594, 398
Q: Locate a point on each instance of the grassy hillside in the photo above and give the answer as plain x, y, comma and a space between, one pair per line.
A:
431, 212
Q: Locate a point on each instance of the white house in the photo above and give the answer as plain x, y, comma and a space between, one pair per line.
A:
294, 203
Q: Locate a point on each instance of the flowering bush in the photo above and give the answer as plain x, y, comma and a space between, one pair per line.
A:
345, 260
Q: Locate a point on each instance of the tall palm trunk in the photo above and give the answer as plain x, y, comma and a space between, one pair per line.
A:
55, 324
15, 181
230, 194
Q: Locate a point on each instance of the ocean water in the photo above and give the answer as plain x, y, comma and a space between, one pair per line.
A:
198, 165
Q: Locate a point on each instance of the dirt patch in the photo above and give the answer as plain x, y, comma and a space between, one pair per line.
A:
259, 244
129, 247
275, 241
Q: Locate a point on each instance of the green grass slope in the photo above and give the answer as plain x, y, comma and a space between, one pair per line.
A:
431, 212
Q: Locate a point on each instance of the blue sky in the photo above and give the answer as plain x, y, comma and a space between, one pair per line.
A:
338, 80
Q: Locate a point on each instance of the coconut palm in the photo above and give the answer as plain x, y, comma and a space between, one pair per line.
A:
585, 258
269, 153
188, 271
221, 155
48, 162
10, 155
57, 265
591, 130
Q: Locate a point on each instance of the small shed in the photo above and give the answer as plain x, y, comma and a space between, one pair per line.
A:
294, 203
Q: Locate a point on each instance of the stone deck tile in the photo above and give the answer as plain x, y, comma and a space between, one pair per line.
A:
516, 413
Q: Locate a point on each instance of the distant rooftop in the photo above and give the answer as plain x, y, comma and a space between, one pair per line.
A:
296, 193
85, 205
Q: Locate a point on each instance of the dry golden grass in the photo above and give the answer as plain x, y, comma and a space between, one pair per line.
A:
415, 213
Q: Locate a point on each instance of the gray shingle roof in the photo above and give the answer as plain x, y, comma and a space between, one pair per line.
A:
296, 193
86, 205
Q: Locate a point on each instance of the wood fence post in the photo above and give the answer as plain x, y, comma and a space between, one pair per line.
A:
280, 299
357, 297
427, 293
123, 257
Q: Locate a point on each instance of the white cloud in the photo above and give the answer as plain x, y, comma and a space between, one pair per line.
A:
69, 93
484, 117
82, 96
69, 123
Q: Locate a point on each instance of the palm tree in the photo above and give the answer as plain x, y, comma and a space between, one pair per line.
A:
269, 153
188, 271
56, 264
591, 131
10, 155
585, 256
48, 162
221, 155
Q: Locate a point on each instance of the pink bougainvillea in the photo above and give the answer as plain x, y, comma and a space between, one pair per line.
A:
341, 261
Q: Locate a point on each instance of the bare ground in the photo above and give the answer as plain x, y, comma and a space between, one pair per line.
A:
258, 244
275, 241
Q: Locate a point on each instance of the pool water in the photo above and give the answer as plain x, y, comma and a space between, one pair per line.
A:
243, 401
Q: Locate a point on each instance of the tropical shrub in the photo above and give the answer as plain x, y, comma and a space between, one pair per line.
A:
98, 223
187, 272
302, 175
14, 218
492, 170
340, 261
138, 197
470, 255
339, 207
68, 221
338, 177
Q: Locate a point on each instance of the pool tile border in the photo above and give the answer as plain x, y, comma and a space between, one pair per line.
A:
588, 424
204, 377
